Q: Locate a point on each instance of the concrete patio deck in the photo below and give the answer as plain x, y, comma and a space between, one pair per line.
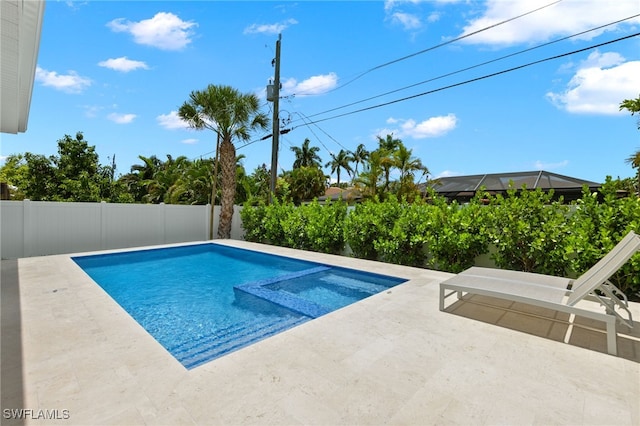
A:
393, 358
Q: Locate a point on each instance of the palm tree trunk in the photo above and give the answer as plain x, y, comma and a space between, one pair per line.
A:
228, 165
214, 187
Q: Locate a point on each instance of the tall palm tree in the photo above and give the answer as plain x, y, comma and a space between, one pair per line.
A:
386, 148
359, 156
306, 156
231, 115
340, 161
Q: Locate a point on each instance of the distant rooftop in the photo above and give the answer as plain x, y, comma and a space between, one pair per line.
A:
463, 188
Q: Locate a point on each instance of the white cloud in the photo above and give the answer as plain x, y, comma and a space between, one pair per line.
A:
121, 118
316, 85
189, 141
407, 20
269, 28
599, 85
70, 83
541, 165
165, 31
123, 64
171, 121
433, 17
561, 19
91, 111
430, 128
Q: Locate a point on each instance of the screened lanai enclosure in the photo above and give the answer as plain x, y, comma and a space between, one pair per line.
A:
463, 188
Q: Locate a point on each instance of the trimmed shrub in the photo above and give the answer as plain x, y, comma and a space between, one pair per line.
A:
405, 244
458, 234
368, 222
598, 226
529, 231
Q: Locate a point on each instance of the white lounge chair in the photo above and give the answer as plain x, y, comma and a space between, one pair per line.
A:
552, 292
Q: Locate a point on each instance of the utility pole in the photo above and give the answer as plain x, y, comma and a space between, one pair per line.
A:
275, 95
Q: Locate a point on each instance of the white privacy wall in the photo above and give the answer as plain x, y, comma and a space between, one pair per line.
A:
37, 228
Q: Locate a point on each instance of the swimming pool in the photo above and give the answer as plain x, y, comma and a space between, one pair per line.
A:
203, 301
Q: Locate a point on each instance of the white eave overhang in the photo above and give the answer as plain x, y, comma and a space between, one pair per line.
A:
20, 28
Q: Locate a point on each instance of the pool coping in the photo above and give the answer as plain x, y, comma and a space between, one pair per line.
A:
391, 358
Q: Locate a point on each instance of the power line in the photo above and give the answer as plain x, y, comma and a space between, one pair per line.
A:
307, 119
377, 67
475, 79
474, 66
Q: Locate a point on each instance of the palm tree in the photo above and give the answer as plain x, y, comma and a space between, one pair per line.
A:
634, 161
386, 149
407, 164
194, 185
340, 161
359, 156
388, 144
140, 176
370, 177
231, 115
306, 156
164, 178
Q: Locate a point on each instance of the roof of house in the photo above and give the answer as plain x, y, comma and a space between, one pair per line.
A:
466, 186
334, 193
21, 27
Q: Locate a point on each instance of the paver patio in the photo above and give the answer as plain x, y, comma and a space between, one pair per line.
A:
393, 358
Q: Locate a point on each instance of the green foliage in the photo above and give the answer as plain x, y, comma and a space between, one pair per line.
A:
325, 226
312, 226
275, 217
598, 224
529, 231
405, 244
14, 173
306, 183
40, 180
369, 221
458, 234
257, 185
253, 220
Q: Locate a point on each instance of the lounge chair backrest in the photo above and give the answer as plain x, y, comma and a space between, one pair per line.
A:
605, 268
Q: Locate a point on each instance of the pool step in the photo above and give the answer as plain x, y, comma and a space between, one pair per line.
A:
221, 342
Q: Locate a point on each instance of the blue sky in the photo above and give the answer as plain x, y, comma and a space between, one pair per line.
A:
118, 71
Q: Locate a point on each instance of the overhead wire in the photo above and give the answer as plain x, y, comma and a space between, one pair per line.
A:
450, 86
307, 119
377, 67
412, 55
475, 66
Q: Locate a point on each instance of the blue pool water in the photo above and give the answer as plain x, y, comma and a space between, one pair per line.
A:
203, 301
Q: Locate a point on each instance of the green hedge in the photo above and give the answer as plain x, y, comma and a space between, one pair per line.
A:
523, 230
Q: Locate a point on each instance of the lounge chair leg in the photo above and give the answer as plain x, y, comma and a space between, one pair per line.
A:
612, 346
